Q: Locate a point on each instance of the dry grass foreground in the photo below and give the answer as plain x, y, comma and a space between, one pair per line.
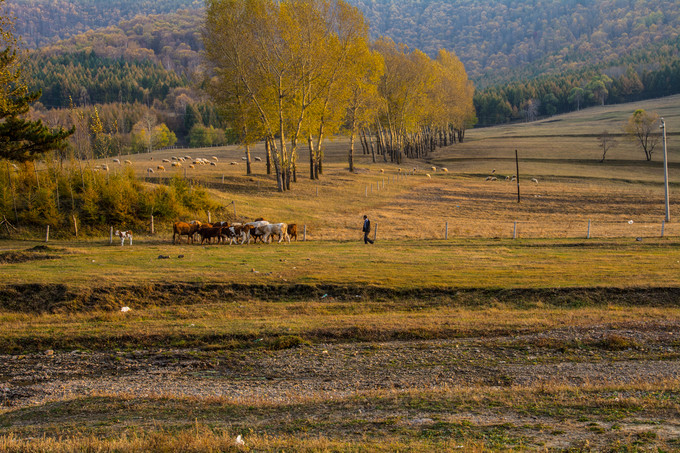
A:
475, 343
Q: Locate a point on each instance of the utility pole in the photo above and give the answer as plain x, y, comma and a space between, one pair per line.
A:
665, 171
517, 167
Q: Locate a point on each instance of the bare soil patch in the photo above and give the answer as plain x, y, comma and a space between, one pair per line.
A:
543, 390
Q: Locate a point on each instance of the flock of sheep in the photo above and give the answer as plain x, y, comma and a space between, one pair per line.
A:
175, 162
491, 177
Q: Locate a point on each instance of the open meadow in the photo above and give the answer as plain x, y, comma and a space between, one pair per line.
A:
474, 323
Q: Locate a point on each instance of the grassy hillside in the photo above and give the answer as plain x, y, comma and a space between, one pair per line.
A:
562, 153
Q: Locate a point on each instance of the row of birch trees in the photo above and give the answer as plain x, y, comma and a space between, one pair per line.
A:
293, 72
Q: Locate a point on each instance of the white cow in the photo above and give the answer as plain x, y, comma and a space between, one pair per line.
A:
280, 229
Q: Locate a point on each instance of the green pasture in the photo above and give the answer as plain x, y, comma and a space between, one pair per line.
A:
404, 264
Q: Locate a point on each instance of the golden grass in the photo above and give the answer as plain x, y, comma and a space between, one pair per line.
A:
562, 153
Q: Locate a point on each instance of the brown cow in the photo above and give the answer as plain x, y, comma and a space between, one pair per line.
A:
209, 233
238, 231
292, 230
180, 229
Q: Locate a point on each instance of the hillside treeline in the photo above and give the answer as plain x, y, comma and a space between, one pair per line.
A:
41, 22
505, 40
497, 40
647, 75
291, 73
172, 40
86, 78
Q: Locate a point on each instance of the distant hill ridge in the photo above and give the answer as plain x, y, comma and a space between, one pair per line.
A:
497, 40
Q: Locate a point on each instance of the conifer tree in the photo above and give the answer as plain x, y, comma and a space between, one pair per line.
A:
20, 139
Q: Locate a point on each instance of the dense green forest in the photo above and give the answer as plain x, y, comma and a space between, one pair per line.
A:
87, 78
642, 75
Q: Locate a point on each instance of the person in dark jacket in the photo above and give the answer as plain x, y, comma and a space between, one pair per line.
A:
367, 229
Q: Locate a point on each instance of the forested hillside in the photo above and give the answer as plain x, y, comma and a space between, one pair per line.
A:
527, 58
502, 39
40, 22
497, 40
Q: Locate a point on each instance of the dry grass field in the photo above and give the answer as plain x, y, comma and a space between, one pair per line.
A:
475, 342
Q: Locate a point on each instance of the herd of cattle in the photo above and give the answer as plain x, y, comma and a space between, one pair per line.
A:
243, 233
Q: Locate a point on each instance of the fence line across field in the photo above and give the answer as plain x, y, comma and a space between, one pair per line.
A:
516, 230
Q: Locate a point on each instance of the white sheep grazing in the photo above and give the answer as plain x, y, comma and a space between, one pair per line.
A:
128, 162
167, 161
259, 159
382, 170
105, 167
214, 158
187, 157
214, 164
176, 164
174, 158
428, 175
514, 178
233, 163
160, 167
398, 170
149, 170
433, 169
534, 180
488, 178
445, 170
116, 161
192, 166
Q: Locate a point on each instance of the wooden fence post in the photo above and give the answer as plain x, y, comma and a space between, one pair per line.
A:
514, 231
47, 234
375, 231
304, 233
75, 225
153, 231
446, 231
111, 236
663, 226
588, 235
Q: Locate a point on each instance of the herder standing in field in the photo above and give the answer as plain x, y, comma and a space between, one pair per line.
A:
367, 229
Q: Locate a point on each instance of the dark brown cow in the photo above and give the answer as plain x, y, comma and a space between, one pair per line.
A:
292, 230
209, 233
180, 229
